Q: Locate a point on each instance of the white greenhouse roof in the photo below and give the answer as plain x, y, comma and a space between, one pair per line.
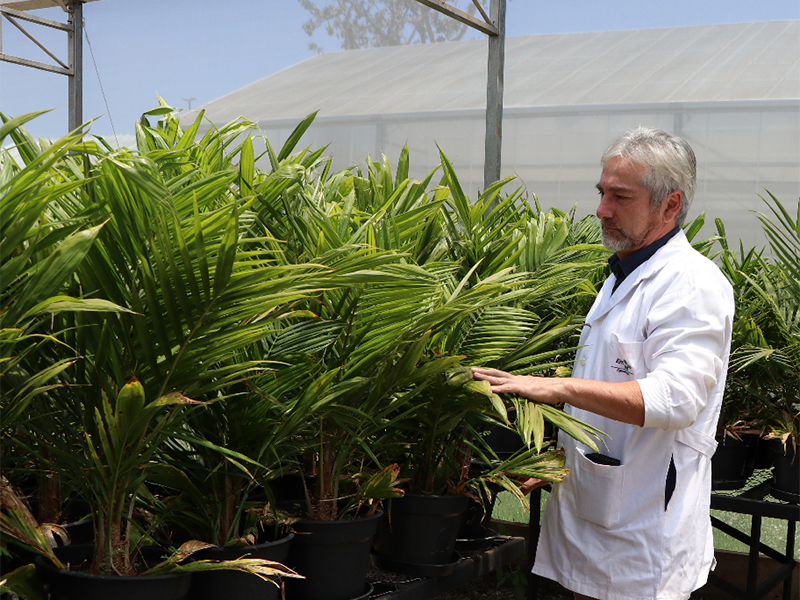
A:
700, 64
732, 91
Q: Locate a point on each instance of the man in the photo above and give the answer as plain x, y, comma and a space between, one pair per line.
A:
634, 522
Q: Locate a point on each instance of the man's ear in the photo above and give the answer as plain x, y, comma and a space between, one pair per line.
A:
672, 204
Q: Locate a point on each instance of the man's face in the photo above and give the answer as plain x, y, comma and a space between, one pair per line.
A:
626, 216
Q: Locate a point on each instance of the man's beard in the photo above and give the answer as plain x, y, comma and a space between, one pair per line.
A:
621, 240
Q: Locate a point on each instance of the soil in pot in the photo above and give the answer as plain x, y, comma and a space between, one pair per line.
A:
215, 585
420, 529
79, 585
333, 556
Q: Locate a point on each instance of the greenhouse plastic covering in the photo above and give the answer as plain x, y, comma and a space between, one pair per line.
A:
733, 91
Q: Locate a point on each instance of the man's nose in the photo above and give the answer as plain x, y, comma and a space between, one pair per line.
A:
604, 209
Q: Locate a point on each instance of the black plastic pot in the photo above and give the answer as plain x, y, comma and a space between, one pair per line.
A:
474, 533
420, 529
76, 518
786, 476
79, 585
333, 556
761, 453
214, 585
732, 463
504, 441
79, 526
81, 532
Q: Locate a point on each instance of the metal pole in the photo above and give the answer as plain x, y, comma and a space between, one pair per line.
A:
75, 20
534, 530
494, 95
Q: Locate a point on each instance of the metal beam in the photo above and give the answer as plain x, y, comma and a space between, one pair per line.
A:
34, 4
477, 5
74, 28
22, 15
75, 91
24, 31
494, 25
461, 16
34, 64
494, 96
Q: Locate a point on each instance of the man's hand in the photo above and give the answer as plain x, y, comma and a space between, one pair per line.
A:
619, 401
539, 389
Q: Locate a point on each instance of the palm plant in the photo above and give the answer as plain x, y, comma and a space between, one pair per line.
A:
170, 254
231, 448
351, 371
337, 370
761, 391
40, 253
741, 406
776, 351
525, 328
389, 345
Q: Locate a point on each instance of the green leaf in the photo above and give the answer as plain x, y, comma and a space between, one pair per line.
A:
295, 136
10, 125
246, 167
54, 271
694, 227
24, 581
402, 166
575, 428
58, 304
227, 254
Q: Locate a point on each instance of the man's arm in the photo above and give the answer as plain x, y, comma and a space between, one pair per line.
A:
619, 401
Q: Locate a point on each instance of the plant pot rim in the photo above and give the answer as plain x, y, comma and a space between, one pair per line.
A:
425, 495
431, 502
47, 565
214, 552
377, 514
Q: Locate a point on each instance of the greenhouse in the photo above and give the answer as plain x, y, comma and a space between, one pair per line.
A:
733, 91
301, 343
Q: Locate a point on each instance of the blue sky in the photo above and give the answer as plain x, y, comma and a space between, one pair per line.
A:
201, 49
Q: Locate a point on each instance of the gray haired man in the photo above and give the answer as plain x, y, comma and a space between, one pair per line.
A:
633, 522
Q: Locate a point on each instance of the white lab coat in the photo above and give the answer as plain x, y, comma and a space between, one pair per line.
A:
605, 532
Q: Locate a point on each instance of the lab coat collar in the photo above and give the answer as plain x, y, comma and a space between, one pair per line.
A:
606, 300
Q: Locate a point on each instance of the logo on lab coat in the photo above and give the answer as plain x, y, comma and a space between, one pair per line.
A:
622, 366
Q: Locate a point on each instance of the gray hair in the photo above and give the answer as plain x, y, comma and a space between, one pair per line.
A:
670, 161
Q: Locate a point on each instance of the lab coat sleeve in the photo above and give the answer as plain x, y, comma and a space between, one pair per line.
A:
686, 340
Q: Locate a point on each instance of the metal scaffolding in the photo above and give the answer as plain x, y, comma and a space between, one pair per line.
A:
16, 11
494, 26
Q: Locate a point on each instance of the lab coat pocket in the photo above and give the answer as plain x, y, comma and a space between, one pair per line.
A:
625, 361
598, 491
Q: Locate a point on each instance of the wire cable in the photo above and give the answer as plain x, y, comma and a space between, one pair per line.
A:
102, 91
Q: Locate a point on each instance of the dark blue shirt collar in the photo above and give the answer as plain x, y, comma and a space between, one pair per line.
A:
621, 268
